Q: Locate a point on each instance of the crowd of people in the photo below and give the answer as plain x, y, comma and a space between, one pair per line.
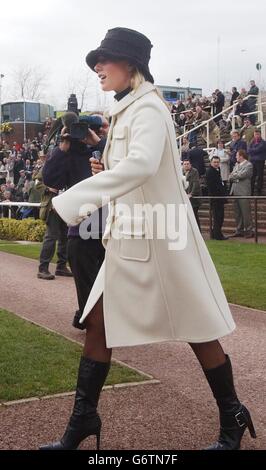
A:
195, 109
20, 165
218, 169
235, 170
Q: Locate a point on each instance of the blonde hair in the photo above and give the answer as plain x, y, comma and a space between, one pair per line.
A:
137, 79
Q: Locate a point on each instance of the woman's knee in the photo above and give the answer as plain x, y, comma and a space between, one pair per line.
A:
95, 319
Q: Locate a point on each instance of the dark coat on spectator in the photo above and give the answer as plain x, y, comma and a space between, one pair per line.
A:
252, 100
257, 150
215, 184
234, 97
196, 157
19, 165
219, 104
234, 147
64, 169
242, 108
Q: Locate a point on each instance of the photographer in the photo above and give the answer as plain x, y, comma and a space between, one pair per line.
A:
56, 231
68, 164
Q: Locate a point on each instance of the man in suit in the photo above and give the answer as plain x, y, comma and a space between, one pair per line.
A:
241, 186
216, 187
193, 189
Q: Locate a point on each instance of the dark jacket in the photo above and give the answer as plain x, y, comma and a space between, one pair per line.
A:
257, 150
242, 108
252, 100
234, 147
196, 157
215, 184
234, 97
64, 169
219, 104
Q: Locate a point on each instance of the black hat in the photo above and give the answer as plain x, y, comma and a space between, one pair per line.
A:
124, 43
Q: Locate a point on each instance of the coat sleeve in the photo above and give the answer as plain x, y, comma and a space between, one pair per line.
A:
257, 149
245, 172
145, 150
55, 169
195, 184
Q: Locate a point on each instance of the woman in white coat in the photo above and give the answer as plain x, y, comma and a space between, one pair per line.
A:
157, 283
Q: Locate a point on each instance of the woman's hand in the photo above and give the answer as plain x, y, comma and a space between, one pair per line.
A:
96, 166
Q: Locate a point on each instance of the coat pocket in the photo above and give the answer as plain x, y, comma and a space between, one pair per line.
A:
133, 245
119, 143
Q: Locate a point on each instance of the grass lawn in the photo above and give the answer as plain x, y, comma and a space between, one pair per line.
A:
242, 270
36, 362
241, 267
29, 251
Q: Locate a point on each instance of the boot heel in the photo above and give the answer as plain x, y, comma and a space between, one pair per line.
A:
251, 429
98, 438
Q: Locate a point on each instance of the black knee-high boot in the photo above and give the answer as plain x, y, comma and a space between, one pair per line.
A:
234, 417
84, 420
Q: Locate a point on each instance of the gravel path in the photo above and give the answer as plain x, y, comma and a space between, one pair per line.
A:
178, 413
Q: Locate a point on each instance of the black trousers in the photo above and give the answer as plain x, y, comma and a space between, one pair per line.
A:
85, 259
196, 210
217, 219
258, 172
56, 230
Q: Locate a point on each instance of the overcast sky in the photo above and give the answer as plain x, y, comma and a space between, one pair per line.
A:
56, 35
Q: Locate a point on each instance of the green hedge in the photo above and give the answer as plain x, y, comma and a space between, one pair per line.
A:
27, 229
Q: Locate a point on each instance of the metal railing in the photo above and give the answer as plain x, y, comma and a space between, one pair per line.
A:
234, 118
256, 199
18, 204
207, 122
231, 198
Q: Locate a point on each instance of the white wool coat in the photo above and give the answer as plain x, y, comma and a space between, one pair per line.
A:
153, 289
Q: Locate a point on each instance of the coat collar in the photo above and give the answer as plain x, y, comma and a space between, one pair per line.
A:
144, 88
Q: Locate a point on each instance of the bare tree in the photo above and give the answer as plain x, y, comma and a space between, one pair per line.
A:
84, 85
29, 82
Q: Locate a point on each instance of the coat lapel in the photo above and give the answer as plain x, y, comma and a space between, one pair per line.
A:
119, 106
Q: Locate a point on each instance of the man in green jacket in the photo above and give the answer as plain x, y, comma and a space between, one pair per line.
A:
193, 189
56, 231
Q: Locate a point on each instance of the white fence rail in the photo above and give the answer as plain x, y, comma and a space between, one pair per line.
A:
18, 204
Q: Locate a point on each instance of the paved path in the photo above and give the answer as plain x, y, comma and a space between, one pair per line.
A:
178, 413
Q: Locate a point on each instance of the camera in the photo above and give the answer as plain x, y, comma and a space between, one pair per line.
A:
94, 122
80, 130
72, 104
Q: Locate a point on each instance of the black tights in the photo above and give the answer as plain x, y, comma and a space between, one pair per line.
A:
95, 344
209, 355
